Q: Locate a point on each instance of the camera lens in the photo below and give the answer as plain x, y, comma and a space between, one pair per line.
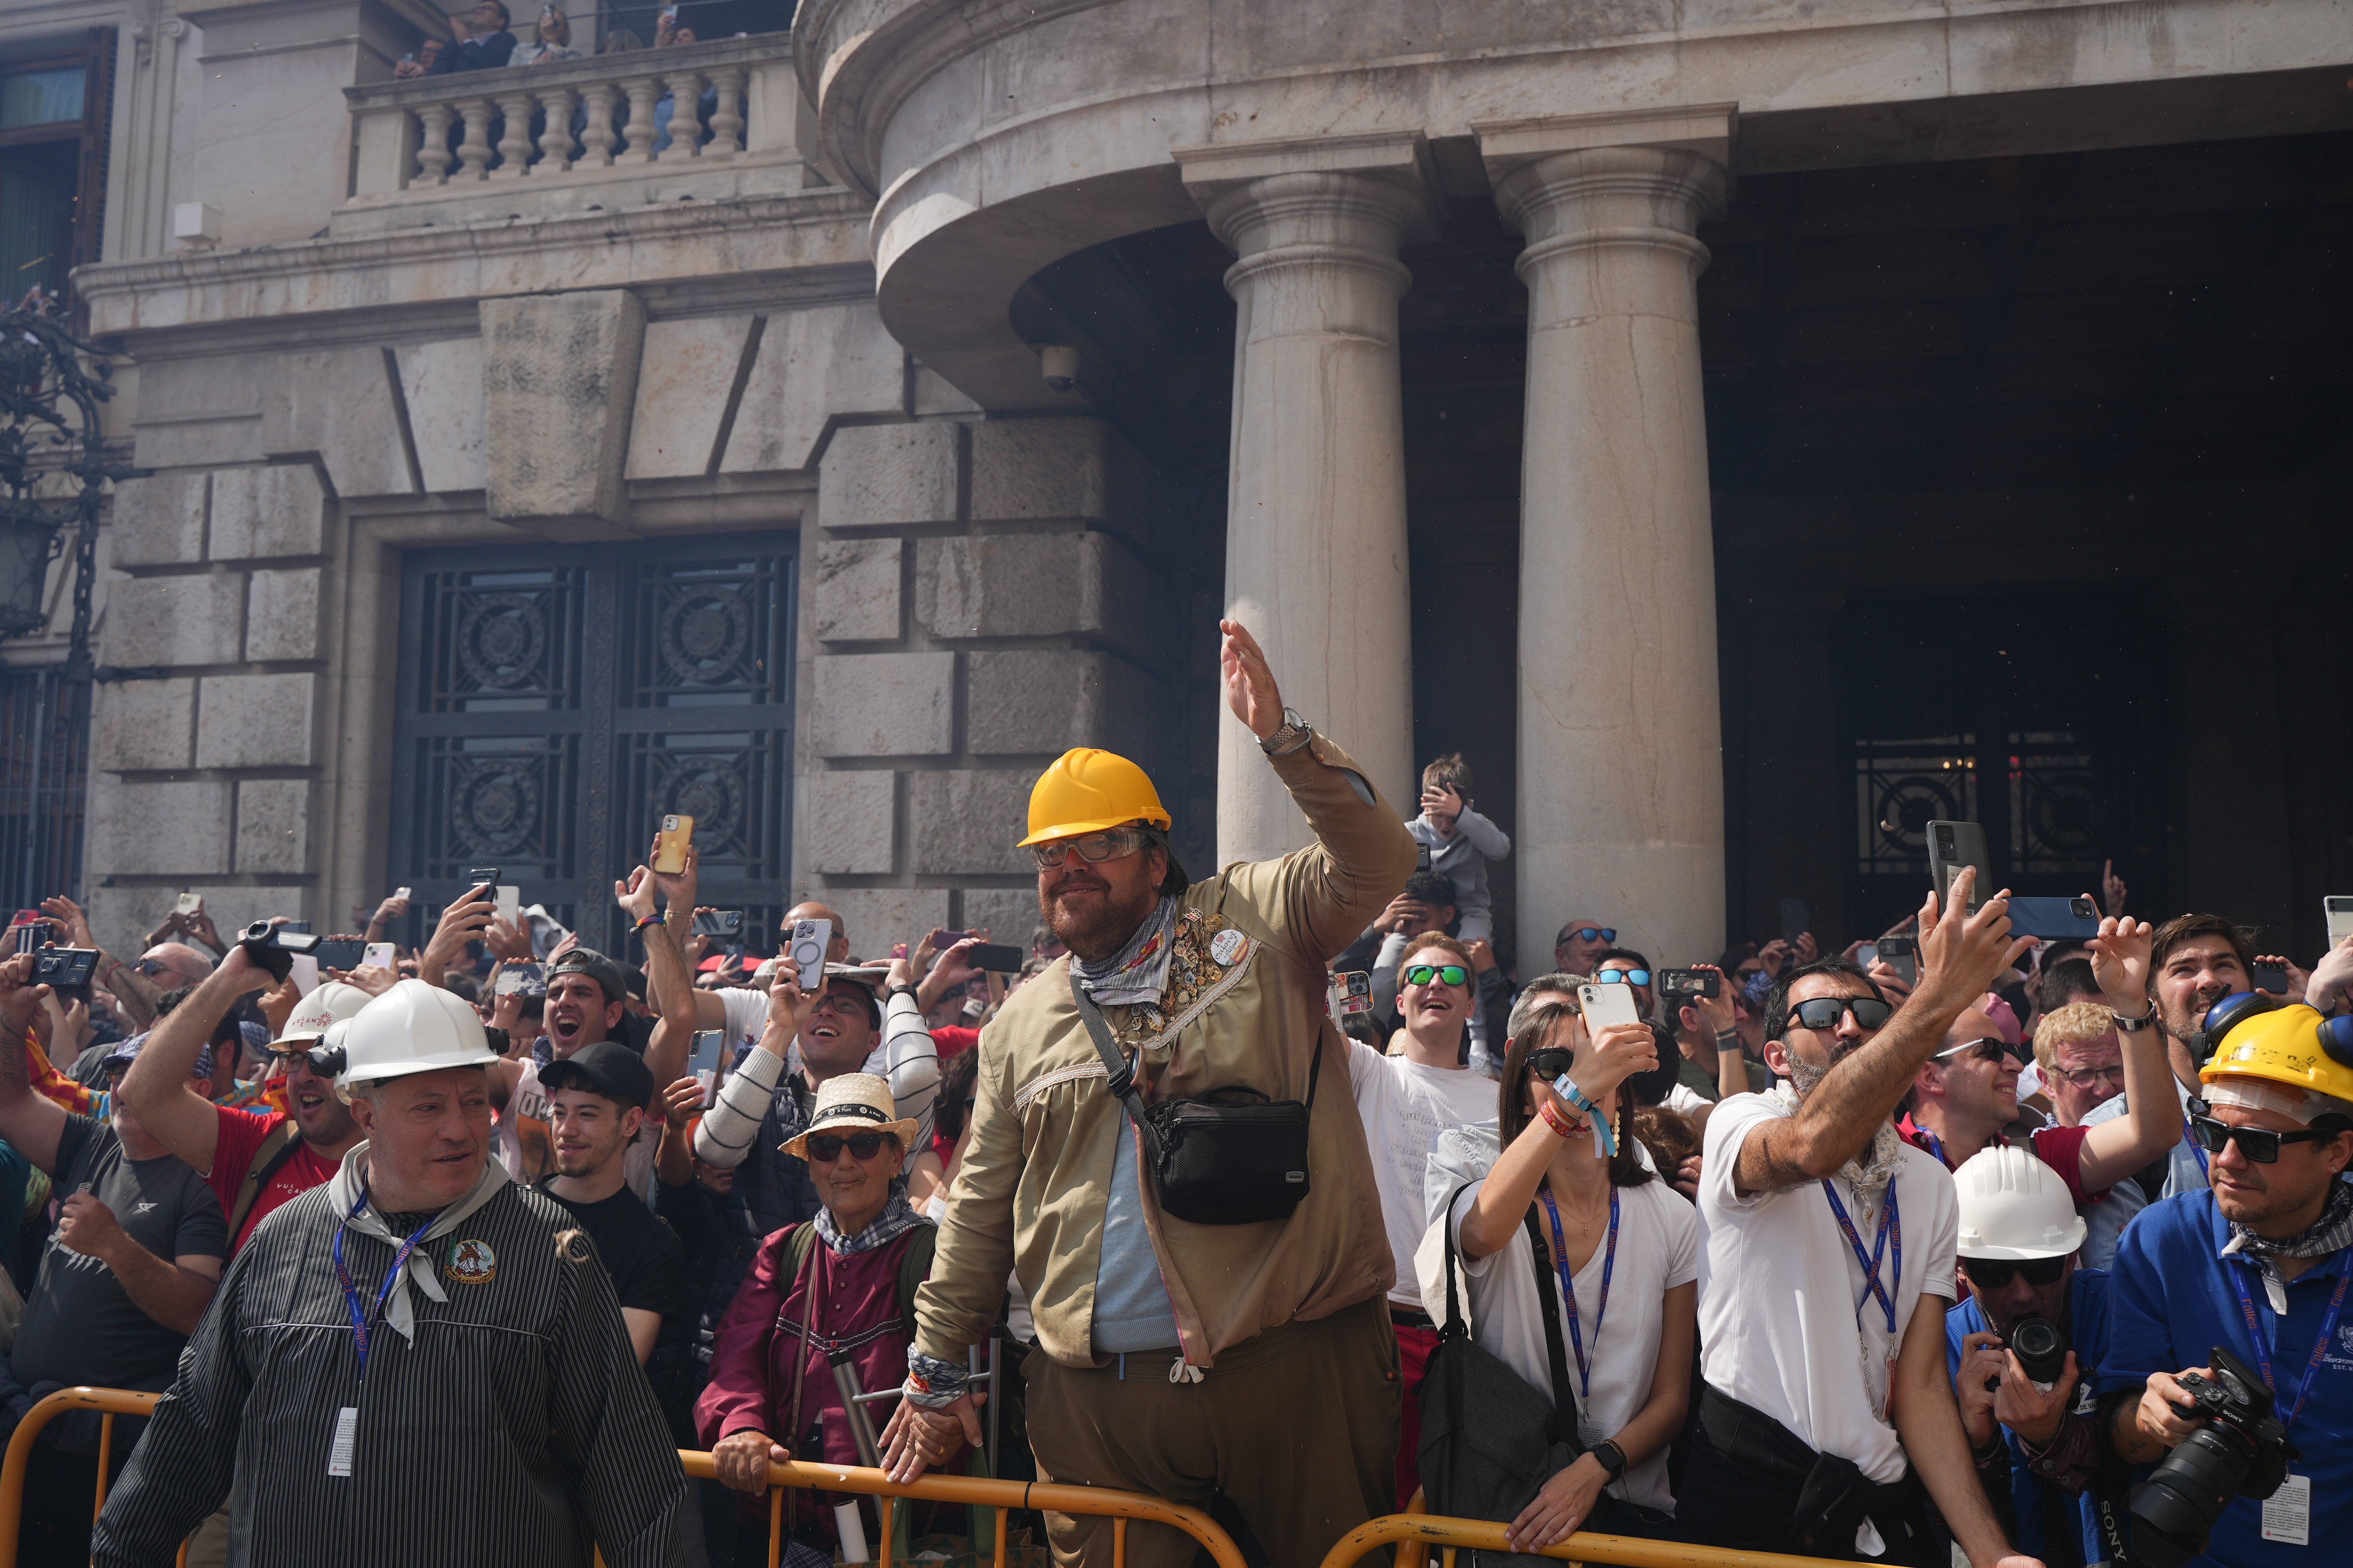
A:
2176, 1508
2041, 1349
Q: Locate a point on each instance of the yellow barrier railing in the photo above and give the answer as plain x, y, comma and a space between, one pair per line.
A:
1418, 1533
1120, 1507
109, 1403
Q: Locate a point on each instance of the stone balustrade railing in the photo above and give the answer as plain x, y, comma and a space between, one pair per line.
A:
690, 107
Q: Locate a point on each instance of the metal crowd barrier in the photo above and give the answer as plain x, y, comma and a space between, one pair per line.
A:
1118, 1506
1416, 1533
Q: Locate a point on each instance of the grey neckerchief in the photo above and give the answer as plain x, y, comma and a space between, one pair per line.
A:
897, 1218
345, 1191
1139, 970
2332, 1232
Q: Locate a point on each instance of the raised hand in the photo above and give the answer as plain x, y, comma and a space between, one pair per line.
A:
1250, 685
2120, 963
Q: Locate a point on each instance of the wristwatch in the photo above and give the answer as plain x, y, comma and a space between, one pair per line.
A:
1610, 1457
2133, 1025
1293, 734
903, 991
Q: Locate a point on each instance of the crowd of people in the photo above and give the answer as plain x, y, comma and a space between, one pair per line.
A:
1272, 1192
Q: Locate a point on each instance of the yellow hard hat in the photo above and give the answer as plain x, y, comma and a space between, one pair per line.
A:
2293, 1045
1087, 791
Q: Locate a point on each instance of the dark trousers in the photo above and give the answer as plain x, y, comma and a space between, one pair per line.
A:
1754, 1486
1297, 1428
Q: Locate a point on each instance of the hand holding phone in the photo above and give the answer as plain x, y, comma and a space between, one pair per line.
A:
670, 845
381, 955
1603, 1005
189, 904
1951, 845
807, 949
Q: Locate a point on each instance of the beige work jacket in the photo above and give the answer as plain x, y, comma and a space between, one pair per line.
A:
1244, 1005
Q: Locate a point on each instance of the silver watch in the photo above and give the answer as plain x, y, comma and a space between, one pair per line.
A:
1288, 739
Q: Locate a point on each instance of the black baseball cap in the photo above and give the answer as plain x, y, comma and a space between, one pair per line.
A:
608, 1068
587, 961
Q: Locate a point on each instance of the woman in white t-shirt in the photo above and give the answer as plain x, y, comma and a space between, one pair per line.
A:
1624, 1247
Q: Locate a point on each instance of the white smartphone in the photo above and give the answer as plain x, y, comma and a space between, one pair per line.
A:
2339, 911
1603, 1005
305, 973
190, 904
811, 938
509, 905
380, 954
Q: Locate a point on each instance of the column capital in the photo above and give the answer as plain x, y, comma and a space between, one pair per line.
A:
1392, 170
1705, 129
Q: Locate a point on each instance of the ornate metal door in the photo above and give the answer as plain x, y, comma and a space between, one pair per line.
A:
555, 703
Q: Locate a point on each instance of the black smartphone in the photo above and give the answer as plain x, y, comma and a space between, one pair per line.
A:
718, 922
2051, 919
1901, 954
2271, 978
340, 952
998, 957
1951, 845
1682, 984
481, 877
1796, 920
299, 928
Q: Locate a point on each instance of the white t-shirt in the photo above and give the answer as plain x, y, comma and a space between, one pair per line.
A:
747, 1015
1686, 1101
1782, 1334
1405, 1107
1658, 1249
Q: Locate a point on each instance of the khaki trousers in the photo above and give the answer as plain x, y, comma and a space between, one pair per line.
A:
1297, 1427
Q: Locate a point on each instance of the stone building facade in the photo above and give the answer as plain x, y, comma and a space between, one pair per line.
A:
844, 421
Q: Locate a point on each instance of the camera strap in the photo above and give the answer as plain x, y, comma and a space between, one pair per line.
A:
2262, 1342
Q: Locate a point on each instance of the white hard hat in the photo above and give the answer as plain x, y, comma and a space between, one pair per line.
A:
2014, 1206
330, 1004
412, 1028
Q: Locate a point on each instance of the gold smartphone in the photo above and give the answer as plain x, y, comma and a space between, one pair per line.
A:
670, 845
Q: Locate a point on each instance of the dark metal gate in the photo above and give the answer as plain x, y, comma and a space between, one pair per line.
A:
554, 703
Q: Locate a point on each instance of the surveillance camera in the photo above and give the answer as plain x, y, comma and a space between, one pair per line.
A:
1059, 361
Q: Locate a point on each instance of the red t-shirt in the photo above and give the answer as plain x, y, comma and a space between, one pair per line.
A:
954, 1039
241, 1136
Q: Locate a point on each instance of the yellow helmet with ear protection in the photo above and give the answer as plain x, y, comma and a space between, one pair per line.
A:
2251, 1036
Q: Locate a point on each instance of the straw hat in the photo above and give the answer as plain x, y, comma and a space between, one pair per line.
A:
854, 1102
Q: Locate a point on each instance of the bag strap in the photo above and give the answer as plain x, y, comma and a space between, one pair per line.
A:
1117, 1074
273, 1152
1453, 1328
1564, 1393
914, 1267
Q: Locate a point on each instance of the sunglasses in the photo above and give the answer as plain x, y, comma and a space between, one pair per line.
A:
1991, 1049
1822, 1013
325, 1062
1421, 974
1623, 977
1987, 1274
826, 1147
1108, 845
1549, 1064
1589, 933
2260, 1144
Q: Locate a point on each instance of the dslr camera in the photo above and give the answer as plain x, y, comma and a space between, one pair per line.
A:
274, 947
2242, 1450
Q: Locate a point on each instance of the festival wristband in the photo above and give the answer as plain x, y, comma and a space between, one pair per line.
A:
1553, 1120
1605, 1142
649, 920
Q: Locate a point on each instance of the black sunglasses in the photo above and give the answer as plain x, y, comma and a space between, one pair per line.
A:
1991, 1049
2260, 1144
1824, 1012
1549, 1064
826, 1147
1988, 1274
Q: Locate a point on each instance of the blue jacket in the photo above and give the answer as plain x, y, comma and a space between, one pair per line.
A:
2170, 1302
2087, 1335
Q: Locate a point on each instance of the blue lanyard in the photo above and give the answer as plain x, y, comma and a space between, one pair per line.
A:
1568, 1286
2189, 1136
2238, 1273
1891, 1224
352, 1292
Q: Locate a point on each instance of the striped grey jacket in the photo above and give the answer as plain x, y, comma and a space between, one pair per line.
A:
516, 1430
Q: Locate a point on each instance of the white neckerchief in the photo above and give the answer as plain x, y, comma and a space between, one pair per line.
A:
351, 1181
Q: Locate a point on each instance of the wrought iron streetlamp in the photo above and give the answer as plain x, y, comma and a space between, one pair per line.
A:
51, 384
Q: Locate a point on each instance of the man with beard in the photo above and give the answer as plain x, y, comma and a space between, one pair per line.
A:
2257, 1263
597, 1106
1827, 1249
2038, 1450
1265, 1369
255, 1163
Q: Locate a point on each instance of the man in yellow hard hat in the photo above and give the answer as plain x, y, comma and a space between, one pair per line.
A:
2259, 1266
1186, 1357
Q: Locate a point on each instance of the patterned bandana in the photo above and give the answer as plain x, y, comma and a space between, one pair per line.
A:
2333, 1232
897, 1218
1138, 972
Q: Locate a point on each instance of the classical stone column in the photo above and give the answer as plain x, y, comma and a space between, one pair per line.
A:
1315, 534
1620, 748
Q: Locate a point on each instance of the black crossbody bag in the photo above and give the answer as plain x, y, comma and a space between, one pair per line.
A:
1230, 1157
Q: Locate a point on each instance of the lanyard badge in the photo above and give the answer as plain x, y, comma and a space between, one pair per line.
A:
1568, 1286
359, 1316
2262, 1342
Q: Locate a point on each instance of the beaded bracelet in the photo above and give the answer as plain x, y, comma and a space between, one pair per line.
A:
1553, 1120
